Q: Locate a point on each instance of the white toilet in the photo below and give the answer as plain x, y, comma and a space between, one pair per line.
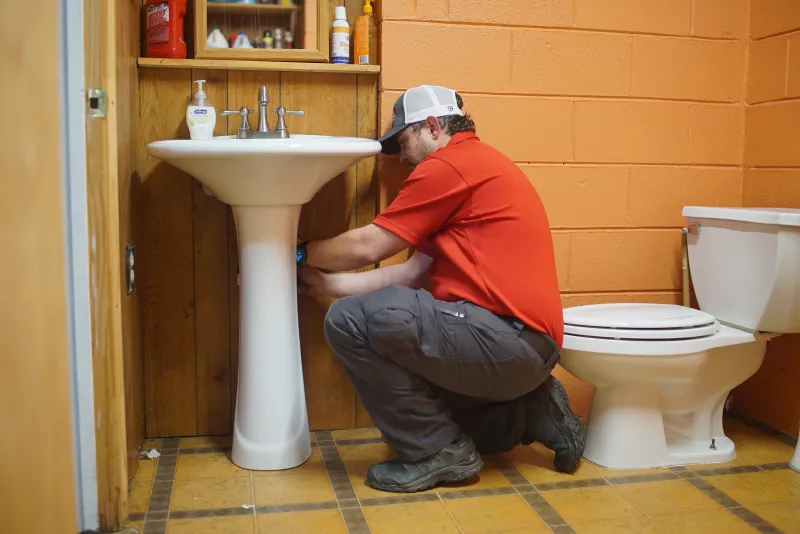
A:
662, 373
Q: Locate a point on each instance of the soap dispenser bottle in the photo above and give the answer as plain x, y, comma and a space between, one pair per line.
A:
365, 37
200, 115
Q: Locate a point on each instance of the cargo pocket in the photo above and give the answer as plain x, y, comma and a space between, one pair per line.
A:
392, 331
430, 324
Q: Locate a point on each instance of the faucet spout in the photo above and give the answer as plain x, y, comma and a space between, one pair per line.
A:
263, 101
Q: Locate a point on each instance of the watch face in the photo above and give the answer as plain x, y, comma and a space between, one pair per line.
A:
299, 255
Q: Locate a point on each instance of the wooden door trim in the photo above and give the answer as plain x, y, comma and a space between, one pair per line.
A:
105, 257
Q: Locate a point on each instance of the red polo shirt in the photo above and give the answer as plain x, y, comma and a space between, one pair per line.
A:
476, 214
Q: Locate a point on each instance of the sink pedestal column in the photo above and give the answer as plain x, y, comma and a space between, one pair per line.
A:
271, 423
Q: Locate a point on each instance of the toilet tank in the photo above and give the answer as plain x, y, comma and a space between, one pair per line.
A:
745, 265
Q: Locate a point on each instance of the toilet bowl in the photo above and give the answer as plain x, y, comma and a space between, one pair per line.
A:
662, 373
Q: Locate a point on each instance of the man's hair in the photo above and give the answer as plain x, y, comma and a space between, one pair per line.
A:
452, 124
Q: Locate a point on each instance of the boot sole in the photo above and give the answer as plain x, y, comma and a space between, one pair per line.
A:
572, 426
446, 475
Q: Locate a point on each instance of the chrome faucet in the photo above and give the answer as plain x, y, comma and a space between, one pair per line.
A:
244, 127
262, 130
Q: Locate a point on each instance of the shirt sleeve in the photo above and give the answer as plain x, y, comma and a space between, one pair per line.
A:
429, 196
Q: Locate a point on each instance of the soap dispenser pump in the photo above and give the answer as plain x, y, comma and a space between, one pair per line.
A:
201, 117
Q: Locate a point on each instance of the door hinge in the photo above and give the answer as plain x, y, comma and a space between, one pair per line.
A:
130, 269
97, 104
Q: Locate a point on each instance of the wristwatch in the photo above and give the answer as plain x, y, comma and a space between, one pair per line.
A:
302, 254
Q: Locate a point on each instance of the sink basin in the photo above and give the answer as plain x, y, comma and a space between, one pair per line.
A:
266, 182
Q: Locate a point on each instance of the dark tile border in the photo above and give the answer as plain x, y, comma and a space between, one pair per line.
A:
351, 507
764, 428
343, 490
734, 507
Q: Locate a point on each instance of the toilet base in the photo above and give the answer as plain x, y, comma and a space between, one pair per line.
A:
679, 453
627, 431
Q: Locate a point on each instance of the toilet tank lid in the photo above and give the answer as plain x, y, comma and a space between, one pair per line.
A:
778, 216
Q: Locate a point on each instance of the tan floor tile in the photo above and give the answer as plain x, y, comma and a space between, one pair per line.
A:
152, 444
536, 464
788, 476
139, 497
719, 521
288, 487
489, 477
615, 473
204, 442
138, 525
506, 514
584, 505
357, 459
665, 496
750, 489
784, 516
736, 462
417, 518
313, 464
357, 433
145, 470
244, 524
315, 522
764, 452
210, 493
207, 465
634, 525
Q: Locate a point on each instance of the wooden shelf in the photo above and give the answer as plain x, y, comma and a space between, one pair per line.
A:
281, 66
247, 9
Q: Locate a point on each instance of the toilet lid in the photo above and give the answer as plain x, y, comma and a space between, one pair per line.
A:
638, 321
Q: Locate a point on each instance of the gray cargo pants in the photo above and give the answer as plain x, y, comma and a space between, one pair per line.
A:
426, 370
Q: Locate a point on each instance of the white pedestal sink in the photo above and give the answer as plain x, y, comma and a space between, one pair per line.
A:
266, 182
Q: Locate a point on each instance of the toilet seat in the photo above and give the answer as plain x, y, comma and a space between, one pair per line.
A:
639, 322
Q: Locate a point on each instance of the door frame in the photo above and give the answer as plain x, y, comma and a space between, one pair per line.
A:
73, 142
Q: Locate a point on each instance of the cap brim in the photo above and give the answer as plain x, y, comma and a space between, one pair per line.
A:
388, 141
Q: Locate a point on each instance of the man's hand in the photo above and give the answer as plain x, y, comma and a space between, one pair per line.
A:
314, 282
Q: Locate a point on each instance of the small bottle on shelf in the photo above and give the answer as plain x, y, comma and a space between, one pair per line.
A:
340, 37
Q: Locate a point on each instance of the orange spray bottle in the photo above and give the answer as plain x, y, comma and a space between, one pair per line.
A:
365, 37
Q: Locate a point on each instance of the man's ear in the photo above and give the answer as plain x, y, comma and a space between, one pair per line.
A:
432, 123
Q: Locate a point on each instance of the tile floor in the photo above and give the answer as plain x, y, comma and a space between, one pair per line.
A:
194, 488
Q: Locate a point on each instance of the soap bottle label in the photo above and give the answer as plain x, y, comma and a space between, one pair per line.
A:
201, 122
340, 46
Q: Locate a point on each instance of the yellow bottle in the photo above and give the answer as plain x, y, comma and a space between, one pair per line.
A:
365, 37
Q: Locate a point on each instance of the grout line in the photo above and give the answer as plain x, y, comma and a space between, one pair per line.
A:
788, 58
253, 502
585, 97
568, 164
779, 34
570, 29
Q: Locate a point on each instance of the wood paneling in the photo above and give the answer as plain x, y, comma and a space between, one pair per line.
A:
330, 102
166, 261
366, 180
191, 308
210, 221
37, 482
105, 274
127, 32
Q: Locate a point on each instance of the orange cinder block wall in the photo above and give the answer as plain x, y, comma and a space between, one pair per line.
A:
772, 179
619, 112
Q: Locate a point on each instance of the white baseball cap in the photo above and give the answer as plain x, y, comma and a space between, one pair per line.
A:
415, 105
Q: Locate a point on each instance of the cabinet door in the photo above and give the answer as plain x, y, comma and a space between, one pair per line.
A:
269, 30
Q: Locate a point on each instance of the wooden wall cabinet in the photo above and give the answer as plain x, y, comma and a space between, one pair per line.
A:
308, 21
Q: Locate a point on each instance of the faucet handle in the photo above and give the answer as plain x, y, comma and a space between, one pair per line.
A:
282, 112
243, 111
